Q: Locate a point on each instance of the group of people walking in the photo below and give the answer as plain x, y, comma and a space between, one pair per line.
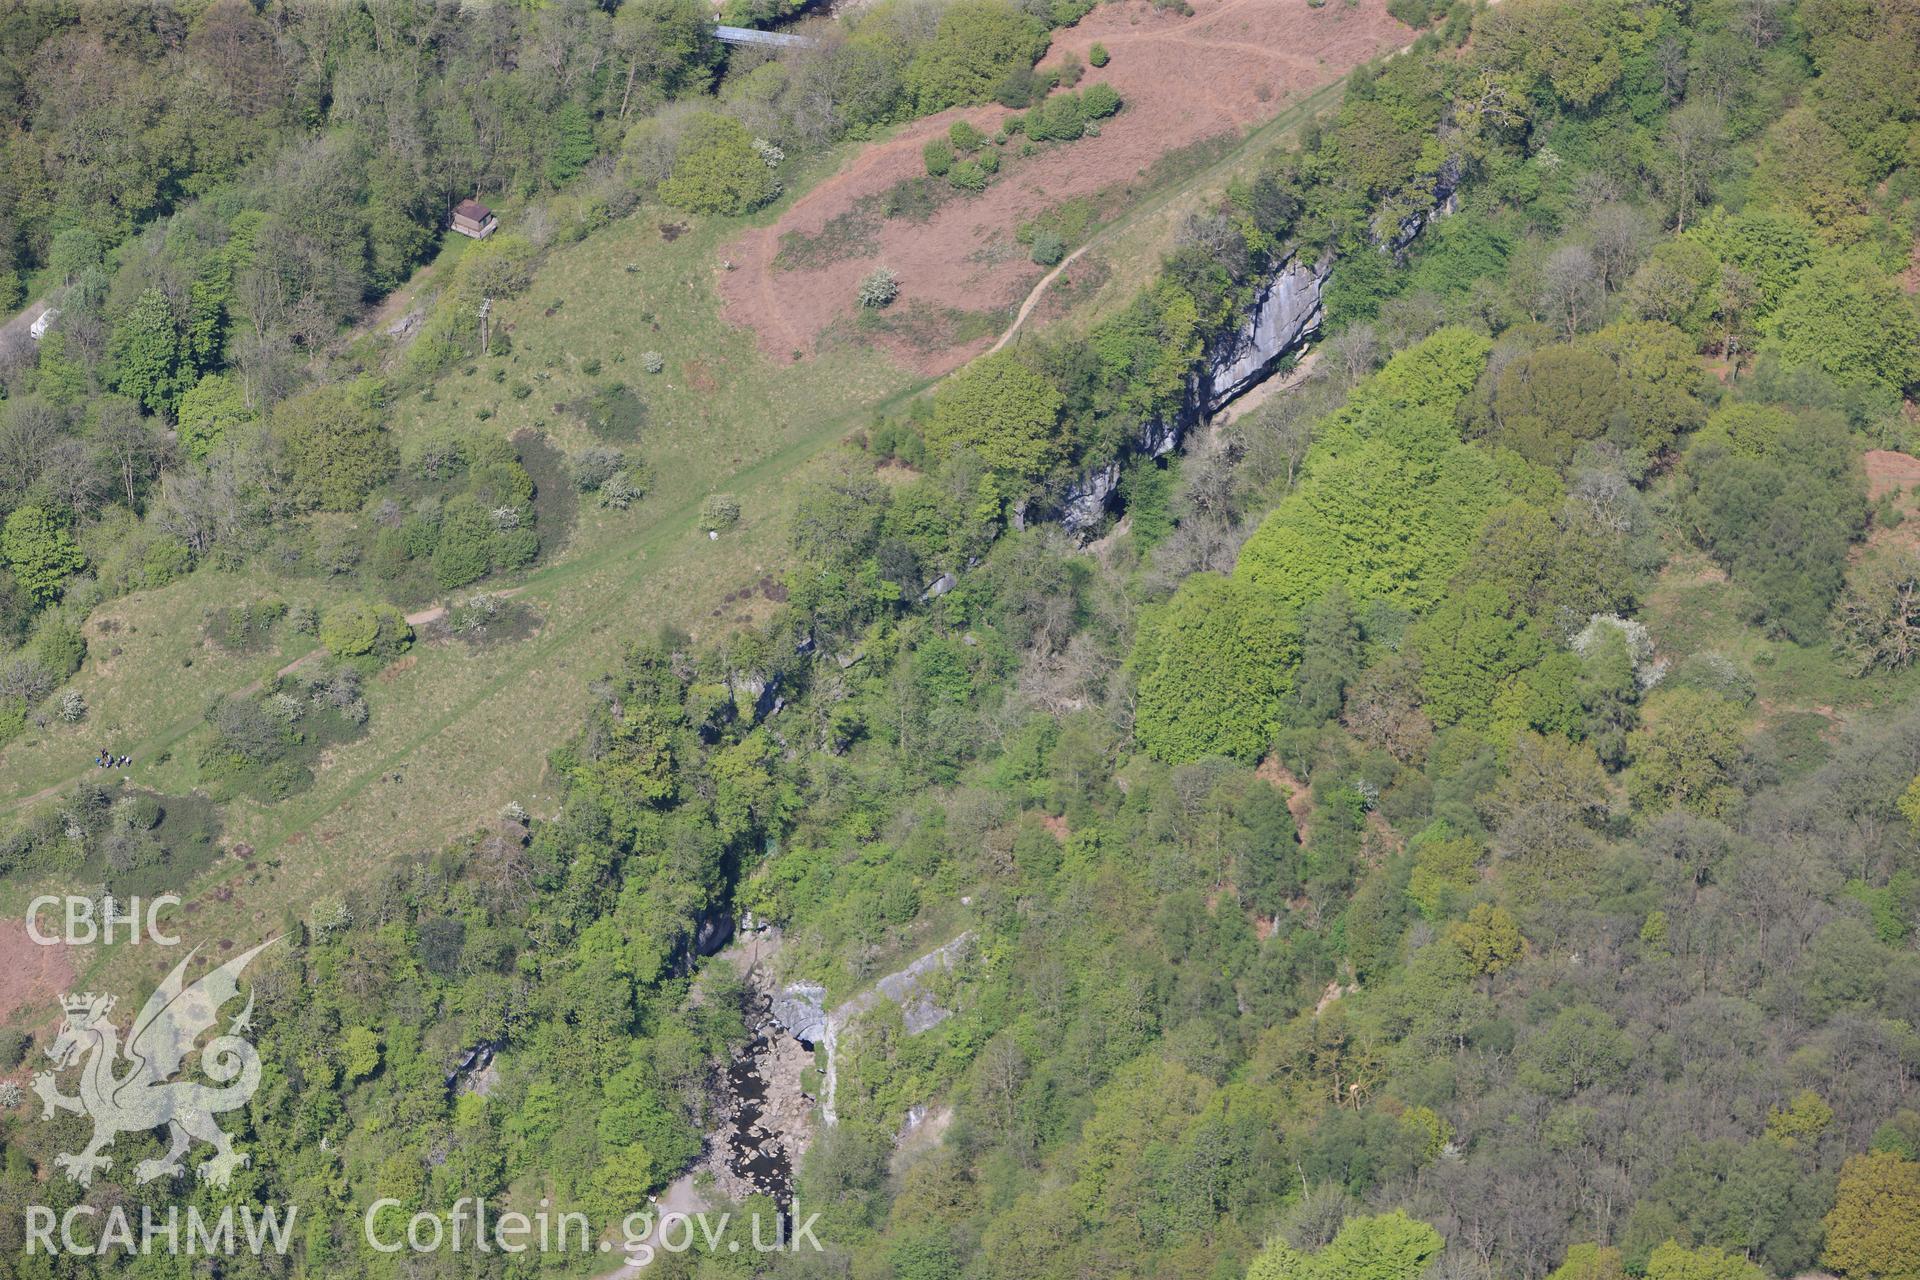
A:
107, 760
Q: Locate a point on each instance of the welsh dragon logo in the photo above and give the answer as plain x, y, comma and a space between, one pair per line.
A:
137, 1092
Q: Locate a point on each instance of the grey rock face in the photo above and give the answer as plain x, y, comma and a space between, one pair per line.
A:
801, 1009
1286, 312
712, 931
906, 988
1087, 499
1446, 188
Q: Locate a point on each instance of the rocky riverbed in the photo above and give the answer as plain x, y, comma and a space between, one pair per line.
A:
764, 1118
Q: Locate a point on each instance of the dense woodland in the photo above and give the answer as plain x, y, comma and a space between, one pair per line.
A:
1361, 892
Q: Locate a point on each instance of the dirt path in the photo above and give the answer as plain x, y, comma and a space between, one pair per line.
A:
1299, 799
1033, 298
24, 321
395, 304
680, 1200
417, 619
1260, 136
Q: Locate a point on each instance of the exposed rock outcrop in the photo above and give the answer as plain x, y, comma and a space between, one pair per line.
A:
1086, 501
765, 1121
712, 930
1446, 188
801, 1008
1286, 312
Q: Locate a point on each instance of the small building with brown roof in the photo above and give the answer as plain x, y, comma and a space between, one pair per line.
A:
473, 219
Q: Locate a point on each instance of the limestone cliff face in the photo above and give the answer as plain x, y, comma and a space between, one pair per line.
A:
1286, 312
1086, 500
1446, 198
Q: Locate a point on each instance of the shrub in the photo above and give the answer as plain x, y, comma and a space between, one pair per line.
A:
356, 629
24, 680
73, 706
615, 413
1016, 89
463, 554
593, 467
13, 718
880, 288
212, 406
969, 175
1002, 410
41, 553
144, 811
653, 362
720, 511
165, 561
1059, 119
938, 154
13, 1047
1048, 249
1098, 55
965, 138
1876, 620
514, 549
1100, 100
621, 490
914, 199
335, 442
58, 644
